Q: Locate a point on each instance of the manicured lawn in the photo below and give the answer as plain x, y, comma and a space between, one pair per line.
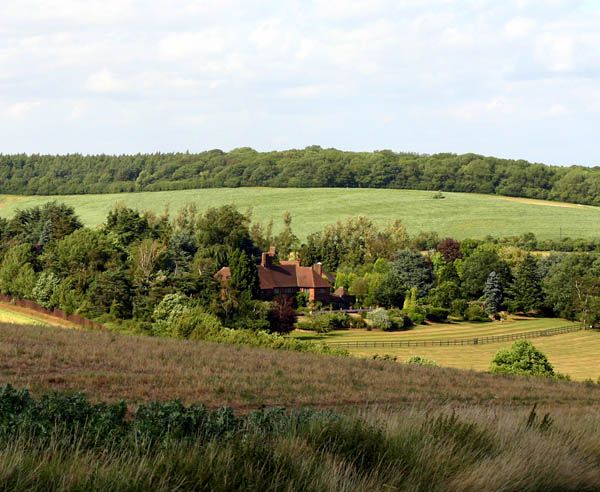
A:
459, 214
576, 354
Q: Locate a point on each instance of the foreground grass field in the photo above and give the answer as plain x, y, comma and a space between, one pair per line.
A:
394, 427
109, 366
576, 354
60, 442
459, 215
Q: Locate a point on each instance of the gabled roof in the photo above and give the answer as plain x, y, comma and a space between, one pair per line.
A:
290, 275
286, 274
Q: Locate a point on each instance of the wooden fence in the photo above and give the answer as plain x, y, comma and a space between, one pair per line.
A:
55, 313
459, 341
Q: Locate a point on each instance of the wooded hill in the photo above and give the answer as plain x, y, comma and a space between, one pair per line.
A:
310, 167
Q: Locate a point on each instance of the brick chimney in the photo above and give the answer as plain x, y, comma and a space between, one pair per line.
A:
266, 259
318, 269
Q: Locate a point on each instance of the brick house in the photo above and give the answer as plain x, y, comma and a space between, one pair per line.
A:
288, 278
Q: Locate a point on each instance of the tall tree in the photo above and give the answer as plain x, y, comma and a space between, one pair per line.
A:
244, 275
477, 267
525, 291
492, 294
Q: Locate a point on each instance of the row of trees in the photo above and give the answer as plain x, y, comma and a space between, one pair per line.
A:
157, 272
472, 278
309, 167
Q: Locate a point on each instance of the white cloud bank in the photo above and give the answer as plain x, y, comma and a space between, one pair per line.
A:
516, 78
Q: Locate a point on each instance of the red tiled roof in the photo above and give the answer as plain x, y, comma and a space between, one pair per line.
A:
289, 275
286, 275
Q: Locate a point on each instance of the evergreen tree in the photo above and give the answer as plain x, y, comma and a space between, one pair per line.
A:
492, 294
526, 289
286, 241
244, 275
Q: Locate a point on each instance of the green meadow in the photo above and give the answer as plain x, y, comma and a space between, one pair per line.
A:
459, 215
576, 354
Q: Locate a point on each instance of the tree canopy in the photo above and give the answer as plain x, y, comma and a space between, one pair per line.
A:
309, 167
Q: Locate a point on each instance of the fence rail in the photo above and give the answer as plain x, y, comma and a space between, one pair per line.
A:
55, 313
459, 341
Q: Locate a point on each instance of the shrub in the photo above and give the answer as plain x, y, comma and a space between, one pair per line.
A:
436, 314
385, 357
476, 312
195, 324
357, 322
44, 289
417, 360
522, 358
458, 307
380, 319
415, 315
167, 312
400, 321
326, 322
282, 315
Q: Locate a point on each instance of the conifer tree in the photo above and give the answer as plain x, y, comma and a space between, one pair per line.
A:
526, 290
492, 293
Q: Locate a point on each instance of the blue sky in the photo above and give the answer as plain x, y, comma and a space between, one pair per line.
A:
512, 78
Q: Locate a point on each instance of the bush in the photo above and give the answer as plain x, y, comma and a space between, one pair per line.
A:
436, 314
195, 324
326, 322
458, 307
268, 340
385, 357
400, 321
167, 312
417, 360
476, 312
357, 322
416, 316
380, 319
522, 358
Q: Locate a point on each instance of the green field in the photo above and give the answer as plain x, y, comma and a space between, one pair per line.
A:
576, 354
459, 214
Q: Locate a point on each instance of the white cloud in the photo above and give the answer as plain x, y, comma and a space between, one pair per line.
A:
19, 110
104, 81
314, 70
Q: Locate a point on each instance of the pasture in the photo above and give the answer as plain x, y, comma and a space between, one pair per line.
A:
576, 354
459, 215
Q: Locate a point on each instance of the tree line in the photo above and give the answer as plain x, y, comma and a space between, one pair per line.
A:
309, 167
156, 274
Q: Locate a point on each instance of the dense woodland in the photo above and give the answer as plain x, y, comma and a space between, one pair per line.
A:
310, 167
155, 274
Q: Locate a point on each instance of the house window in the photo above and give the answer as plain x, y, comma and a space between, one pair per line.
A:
276, 291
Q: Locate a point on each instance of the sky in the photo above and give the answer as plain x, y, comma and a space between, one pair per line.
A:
510, 78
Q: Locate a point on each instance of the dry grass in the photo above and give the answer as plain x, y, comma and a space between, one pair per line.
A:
109, 366
9, 313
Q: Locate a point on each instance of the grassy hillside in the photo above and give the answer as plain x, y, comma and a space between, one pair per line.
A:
109, 366
576, 354
394, 427
459, 214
